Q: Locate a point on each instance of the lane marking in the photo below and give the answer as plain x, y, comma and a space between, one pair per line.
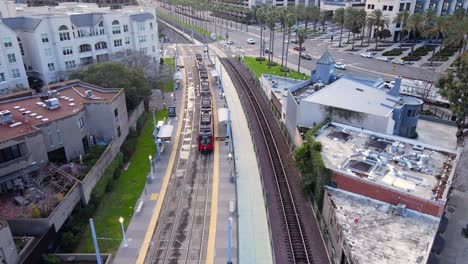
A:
154, 196
157, 209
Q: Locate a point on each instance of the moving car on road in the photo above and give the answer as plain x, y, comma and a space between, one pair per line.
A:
367, 55
229, 42
294, 41
306, 56
383, 58
298, 48
399, 61
389, 84
267, 51
340, 65
250, 41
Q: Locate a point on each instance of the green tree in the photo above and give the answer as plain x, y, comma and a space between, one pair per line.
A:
339, 19
313, 14
457, 32
378, 21
116, 75
271, 23
415, 24
352, 18
283, 14
290, 20
261, 15
454, 85
402, 19
301, 36
363, 23
439, 29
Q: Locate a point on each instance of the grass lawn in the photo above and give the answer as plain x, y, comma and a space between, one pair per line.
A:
182, 23
122, 198
169, 86
259, 67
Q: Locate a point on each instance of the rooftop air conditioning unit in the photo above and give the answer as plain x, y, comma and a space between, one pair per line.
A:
52, 103
401, 209
89, 94
5, 117
52, 93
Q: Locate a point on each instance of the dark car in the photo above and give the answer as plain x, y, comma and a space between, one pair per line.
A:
298, 48
295, 41
306, 56
267, 51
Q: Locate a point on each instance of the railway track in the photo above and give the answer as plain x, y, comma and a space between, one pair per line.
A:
298, 249
180, 233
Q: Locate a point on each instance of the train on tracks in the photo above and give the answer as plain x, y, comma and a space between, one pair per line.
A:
206, 128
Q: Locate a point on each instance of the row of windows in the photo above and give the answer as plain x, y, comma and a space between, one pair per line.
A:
387, 8
15, 73
10, 153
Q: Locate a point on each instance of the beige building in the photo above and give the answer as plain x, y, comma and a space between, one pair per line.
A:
57, 127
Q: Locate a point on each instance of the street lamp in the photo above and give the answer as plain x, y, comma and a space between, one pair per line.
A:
230, 166
151, 168
123, 233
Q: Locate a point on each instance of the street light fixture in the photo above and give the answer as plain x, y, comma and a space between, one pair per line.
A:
151, 168
125, 244
230, 167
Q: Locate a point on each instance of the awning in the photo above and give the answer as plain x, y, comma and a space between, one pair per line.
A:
215, 73
223, 115
178, 75
165, 133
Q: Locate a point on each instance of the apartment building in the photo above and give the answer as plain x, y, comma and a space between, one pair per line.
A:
391, 8
12, 73
57, 40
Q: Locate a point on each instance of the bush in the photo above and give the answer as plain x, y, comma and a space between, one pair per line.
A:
393, 52
50, 259
439, 58
411, 58
260, 58
284, 69
272, 63
426, 112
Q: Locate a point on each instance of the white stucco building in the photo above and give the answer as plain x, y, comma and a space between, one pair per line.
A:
60, 39
12, 74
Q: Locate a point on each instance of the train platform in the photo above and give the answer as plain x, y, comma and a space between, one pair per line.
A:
253, 236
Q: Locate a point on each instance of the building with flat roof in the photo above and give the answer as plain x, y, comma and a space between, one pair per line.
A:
57, 40
57, 126
390, 169
363, 230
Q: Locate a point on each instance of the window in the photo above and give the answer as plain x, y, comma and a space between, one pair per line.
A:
51, 66
67, 51
117, 43
144, 50
100, 45
408, 6
10, 153
45, 38
402, 6
116, 112
115, 27
15, 73
141, 26
70, 65
142, 39
2, 76
85, 48
390, 8
11, 58
21, 48
119, 133
151, 25
64, 36
127, 40
152, 37
125, 28
48, 52
51, 138
59, 136
80, 123
154, 48
63, 27
384, 8
7, 42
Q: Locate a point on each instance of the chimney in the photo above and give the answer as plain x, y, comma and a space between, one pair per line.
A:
25, 117
395, 91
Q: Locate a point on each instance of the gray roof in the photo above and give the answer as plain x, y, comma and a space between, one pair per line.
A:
326, 59
142, 17
86, 20
353, 95
21, 23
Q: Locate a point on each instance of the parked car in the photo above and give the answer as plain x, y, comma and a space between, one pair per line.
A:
250, 41
389, 84
306, 56
367, 55
340, 66
297, 48
267, 51
399, 61
294, 41
383, 58
230, 42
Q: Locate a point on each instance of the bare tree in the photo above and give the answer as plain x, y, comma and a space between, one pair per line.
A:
140, 61
425, 85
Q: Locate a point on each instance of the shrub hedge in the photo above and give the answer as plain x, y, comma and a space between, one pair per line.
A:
411, 58
393, 52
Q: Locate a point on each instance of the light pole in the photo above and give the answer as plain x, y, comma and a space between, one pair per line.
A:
124, 238
151, 178
230, 167
96, 247
229, 261
155, 131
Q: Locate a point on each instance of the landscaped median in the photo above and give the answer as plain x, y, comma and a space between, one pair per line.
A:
114, 195
261, 67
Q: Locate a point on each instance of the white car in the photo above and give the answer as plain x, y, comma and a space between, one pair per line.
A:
250, 41
389, 84
340, 66
398, 61
383, 58
367, 54
229, 42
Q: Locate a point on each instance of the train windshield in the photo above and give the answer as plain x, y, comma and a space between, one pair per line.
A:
205, 140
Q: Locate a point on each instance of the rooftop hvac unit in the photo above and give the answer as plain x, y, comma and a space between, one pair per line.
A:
401, 209
52, 103
5, 117
89, 94
52, 93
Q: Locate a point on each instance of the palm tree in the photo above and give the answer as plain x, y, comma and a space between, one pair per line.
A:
271, 22
261, 19
402, 19
339, 18
439, 29
457, 32
314, 15
352, 18
290, 21
283, 16
378, 21
429, 20
363, 23
415, 24
301, 36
